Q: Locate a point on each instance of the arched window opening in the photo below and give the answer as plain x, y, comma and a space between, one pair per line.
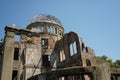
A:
88, 63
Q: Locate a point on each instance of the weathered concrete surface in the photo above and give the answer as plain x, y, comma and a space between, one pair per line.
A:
54, 75
31, 49
81, 65
43, 52
8, 56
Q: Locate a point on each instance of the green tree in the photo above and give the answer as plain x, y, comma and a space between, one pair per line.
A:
102, 57
115, 64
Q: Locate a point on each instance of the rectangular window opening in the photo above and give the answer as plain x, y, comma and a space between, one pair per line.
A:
16, 53
54, 30
44, 42
73, 48
14, 74
49, 29
46, 60
42, 28
17, 38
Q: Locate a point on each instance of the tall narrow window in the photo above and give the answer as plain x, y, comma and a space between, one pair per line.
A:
48, 57
46, 60
62, 55
49, 29
41, 28
73, 48
60, 32
44, 42
54, 30
16, 53
14, 74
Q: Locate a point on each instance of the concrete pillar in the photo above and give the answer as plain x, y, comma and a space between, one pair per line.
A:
8, 54
57, 30
45, 28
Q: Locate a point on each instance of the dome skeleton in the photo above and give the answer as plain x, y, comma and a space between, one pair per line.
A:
45, 18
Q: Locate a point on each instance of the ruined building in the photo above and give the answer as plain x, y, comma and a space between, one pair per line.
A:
43, 52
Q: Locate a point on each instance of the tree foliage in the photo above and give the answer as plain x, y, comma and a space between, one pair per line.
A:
115, 64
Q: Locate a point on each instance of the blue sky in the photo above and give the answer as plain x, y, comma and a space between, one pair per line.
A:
96, 21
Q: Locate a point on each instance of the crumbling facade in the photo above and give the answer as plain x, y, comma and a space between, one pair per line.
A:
43, 52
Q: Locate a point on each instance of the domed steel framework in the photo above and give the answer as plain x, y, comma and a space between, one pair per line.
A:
45, 18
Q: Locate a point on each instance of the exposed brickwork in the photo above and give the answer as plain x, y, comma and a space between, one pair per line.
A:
44, 52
